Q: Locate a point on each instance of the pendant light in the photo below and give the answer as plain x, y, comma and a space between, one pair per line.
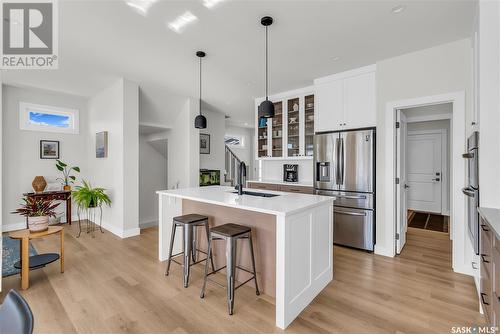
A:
266, 108
200, 122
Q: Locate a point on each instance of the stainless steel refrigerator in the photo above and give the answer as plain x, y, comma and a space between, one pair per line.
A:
344, 167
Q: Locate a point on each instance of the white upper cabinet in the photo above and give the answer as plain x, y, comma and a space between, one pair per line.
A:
359, 101
290, 133
346, 100
330, 99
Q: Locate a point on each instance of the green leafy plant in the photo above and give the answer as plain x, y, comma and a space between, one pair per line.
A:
87, 197
66, 171
32, 207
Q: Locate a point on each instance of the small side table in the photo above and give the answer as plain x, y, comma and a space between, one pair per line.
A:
24, 237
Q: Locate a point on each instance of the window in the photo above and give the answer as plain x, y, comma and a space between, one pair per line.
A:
234, 141
37, 117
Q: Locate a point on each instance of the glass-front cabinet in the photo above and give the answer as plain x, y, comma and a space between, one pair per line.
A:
290, 133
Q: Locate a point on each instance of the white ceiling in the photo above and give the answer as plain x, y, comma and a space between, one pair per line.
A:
101, 40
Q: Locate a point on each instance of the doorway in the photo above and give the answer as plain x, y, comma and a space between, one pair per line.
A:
422, 160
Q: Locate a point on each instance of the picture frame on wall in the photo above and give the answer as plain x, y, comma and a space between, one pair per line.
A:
101, 144
49, 149
204, 143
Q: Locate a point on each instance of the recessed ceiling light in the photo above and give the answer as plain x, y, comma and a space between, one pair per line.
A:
211, 3
182, 21
398, 9
336, 58
141, 6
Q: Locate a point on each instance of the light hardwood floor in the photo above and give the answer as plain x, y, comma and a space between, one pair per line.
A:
117, 286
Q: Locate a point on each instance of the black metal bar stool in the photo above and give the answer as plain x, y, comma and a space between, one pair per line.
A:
189, 249
231, 233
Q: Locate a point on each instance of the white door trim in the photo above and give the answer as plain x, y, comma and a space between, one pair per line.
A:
445, 209
462, 250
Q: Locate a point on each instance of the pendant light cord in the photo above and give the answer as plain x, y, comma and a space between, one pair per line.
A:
267, 74
200, 88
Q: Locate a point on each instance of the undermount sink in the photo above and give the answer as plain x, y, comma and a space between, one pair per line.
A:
254, 193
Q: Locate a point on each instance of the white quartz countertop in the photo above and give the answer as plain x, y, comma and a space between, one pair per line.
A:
492, 216
282, 205
301, 184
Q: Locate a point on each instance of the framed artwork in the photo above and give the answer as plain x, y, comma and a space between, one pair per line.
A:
204, 143
49, 149
101, 144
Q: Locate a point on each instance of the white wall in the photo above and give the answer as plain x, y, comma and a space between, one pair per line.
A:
489, 103
438, 70
216, 128
152, 177
21, 148
438, 126
183, 148
115, 110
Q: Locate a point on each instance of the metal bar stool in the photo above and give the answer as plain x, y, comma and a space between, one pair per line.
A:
189, 249
230, 233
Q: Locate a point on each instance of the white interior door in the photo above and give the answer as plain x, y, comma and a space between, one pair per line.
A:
424, 167
401, 187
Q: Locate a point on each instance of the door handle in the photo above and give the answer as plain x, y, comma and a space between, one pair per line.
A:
468, 192
437, 179
406, 186
483, 256
350, 197
482, 298
468, 155
342, 163
350, 213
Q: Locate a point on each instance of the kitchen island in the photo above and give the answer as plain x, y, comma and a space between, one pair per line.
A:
293, 238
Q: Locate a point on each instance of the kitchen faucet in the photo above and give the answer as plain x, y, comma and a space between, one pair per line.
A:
242, 172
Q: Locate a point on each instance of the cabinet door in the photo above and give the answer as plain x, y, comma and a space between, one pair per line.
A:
359, 101
263, 141
276, 131
329, 107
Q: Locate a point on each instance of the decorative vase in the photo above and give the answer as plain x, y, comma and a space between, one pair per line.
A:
295, 107
39, 184
67, 187
38, 224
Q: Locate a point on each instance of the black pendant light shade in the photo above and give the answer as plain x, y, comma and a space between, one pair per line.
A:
200, 121
266, 108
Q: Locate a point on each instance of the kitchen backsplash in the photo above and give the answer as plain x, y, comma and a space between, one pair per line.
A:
273, 169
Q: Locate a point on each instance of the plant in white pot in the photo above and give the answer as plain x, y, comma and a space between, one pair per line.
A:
37, 211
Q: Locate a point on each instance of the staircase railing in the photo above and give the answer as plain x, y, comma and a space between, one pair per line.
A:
232, 167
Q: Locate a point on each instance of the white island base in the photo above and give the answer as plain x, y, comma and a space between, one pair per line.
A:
292, 233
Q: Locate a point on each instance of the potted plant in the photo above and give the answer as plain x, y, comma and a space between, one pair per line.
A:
38, 212
87, 197
66, 170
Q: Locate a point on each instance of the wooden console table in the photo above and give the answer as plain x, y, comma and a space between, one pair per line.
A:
24, 237
61, 195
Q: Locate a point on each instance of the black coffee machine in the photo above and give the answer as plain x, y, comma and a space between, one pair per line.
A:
291, 173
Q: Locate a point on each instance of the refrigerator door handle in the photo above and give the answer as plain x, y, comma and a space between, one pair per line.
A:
350, 197
337, 163
349, 213
342, 160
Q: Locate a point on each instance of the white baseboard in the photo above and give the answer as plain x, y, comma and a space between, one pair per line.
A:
132, 232
14, 227
148, 223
